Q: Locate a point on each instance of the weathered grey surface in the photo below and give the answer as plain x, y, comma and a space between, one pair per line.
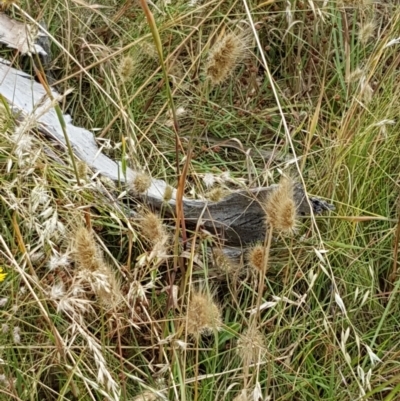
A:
239, 217
19, 35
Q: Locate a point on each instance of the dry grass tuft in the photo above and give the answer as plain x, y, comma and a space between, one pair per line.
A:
141, 310
225, 56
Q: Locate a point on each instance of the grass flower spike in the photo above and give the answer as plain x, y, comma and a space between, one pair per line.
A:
203, 315
256, 257
280, 208
225, 56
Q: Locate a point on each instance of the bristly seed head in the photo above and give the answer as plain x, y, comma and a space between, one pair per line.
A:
141, 183
223, 262
82, 169
224, 57
366, 32
256, 257
86, 253
203, 315
209, 180
355, 75
146, 396
251, 346
168, 192
216, 194
126, 68
280, 208
152, 229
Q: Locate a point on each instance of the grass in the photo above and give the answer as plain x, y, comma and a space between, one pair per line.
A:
111, 328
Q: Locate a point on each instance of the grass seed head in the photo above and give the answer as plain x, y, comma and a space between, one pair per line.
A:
355, 75
366, 91
126, 68
256, 257
203, 315
146, 396
216, 194
82, 169
152, 229
366, 32
251, 346
86, 252
209, 180
224, 263
141, 183
168, 193
149, 50
280, 208
224, 57
108, 288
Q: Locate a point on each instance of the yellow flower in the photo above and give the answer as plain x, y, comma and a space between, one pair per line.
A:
2, 275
